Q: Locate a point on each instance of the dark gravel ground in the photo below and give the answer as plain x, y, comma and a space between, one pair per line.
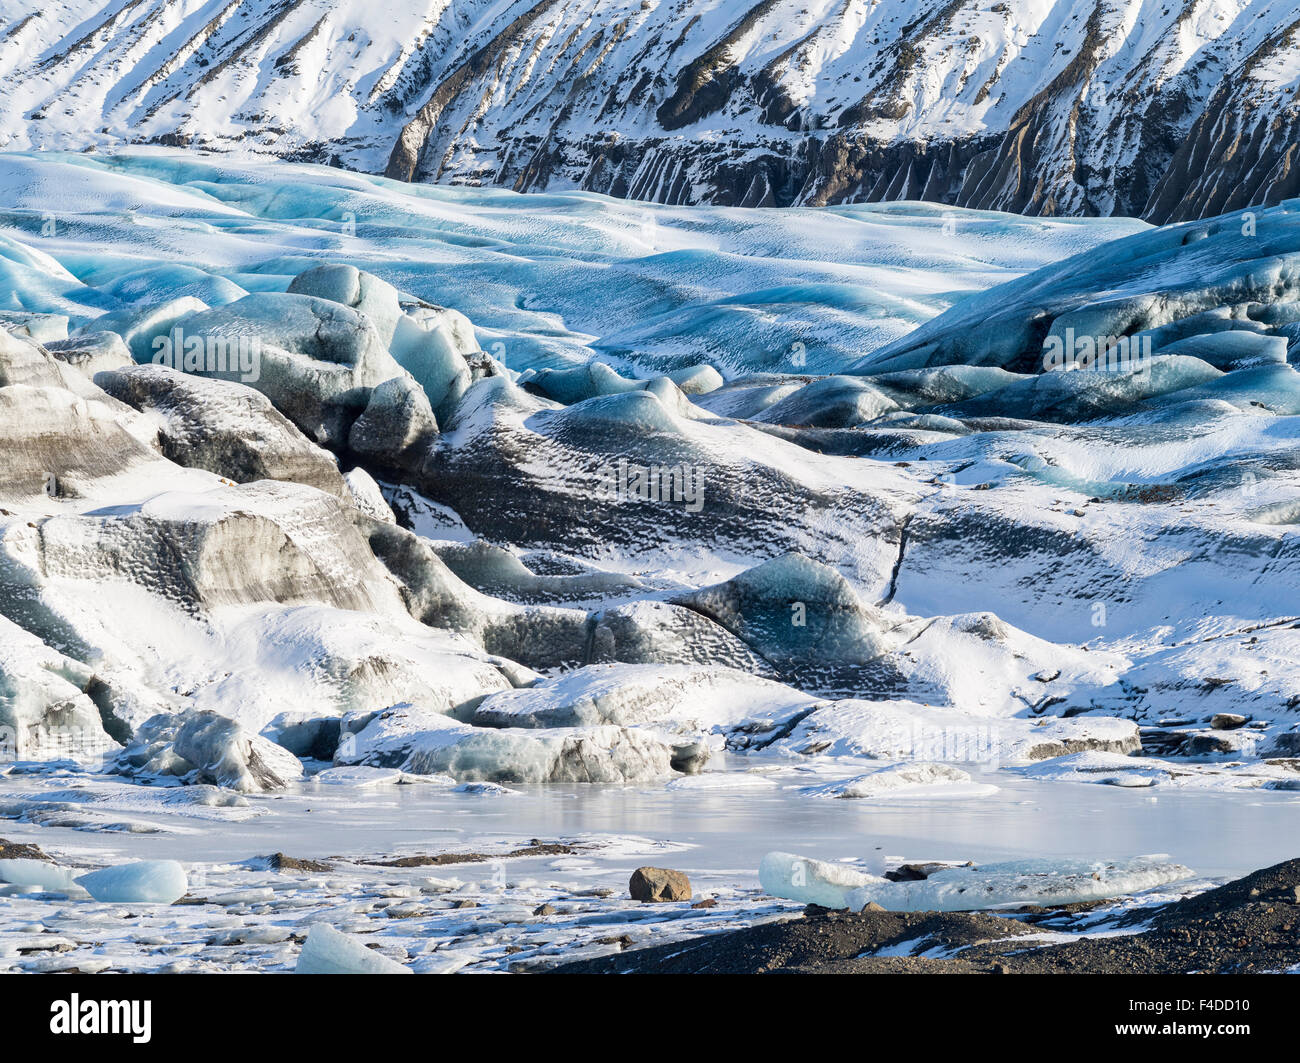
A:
1250, 925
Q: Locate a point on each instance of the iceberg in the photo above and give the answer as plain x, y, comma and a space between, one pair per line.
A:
962, 889
329, 951
145, 882
39, 873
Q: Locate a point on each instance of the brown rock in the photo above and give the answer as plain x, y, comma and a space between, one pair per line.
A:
21, 851
280, 862
655, 884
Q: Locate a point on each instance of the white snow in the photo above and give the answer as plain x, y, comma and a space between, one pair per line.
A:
906, 781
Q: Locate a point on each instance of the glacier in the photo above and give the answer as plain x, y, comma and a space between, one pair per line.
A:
563, 498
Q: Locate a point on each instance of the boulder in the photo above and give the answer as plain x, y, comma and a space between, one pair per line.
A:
656, 884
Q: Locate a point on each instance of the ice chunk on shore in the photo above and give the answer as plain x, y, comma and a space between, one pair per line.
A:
800, 878
422, 742
329, 951
146, 882
39, 873
961, 889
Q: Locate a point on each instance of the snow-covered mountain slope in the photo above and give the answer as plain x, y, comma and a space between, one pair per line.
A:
1054, 107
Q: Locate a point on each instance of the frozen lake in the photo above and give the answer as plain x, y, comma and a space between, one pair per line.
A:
726, 828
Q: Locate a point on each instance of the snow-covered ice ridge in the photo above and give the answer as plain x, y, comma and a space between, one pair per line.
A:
1166, 111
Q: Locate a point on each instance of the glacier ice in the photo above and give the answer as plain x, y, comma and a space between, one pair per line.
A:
330, 951
39, 873
429, 743
831, 402
92, 352
144, 882
223, 753
628, 695
365, 293
960, 889
1236, 349
903, 730
141, 325
221, 426
368, 496
801, 615
397, 427
45, 712
468, 365
317, 360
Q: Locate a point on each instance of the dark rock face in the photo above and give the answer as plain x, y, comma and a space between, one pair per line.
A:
1095, 139
655, 884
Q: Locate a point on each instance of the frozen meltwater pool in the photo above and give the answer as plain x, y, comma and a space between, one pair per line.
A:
719, 828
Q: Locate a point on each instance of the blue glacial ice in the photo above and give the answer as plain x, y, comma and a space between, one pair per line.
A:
548, 281
143, 882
